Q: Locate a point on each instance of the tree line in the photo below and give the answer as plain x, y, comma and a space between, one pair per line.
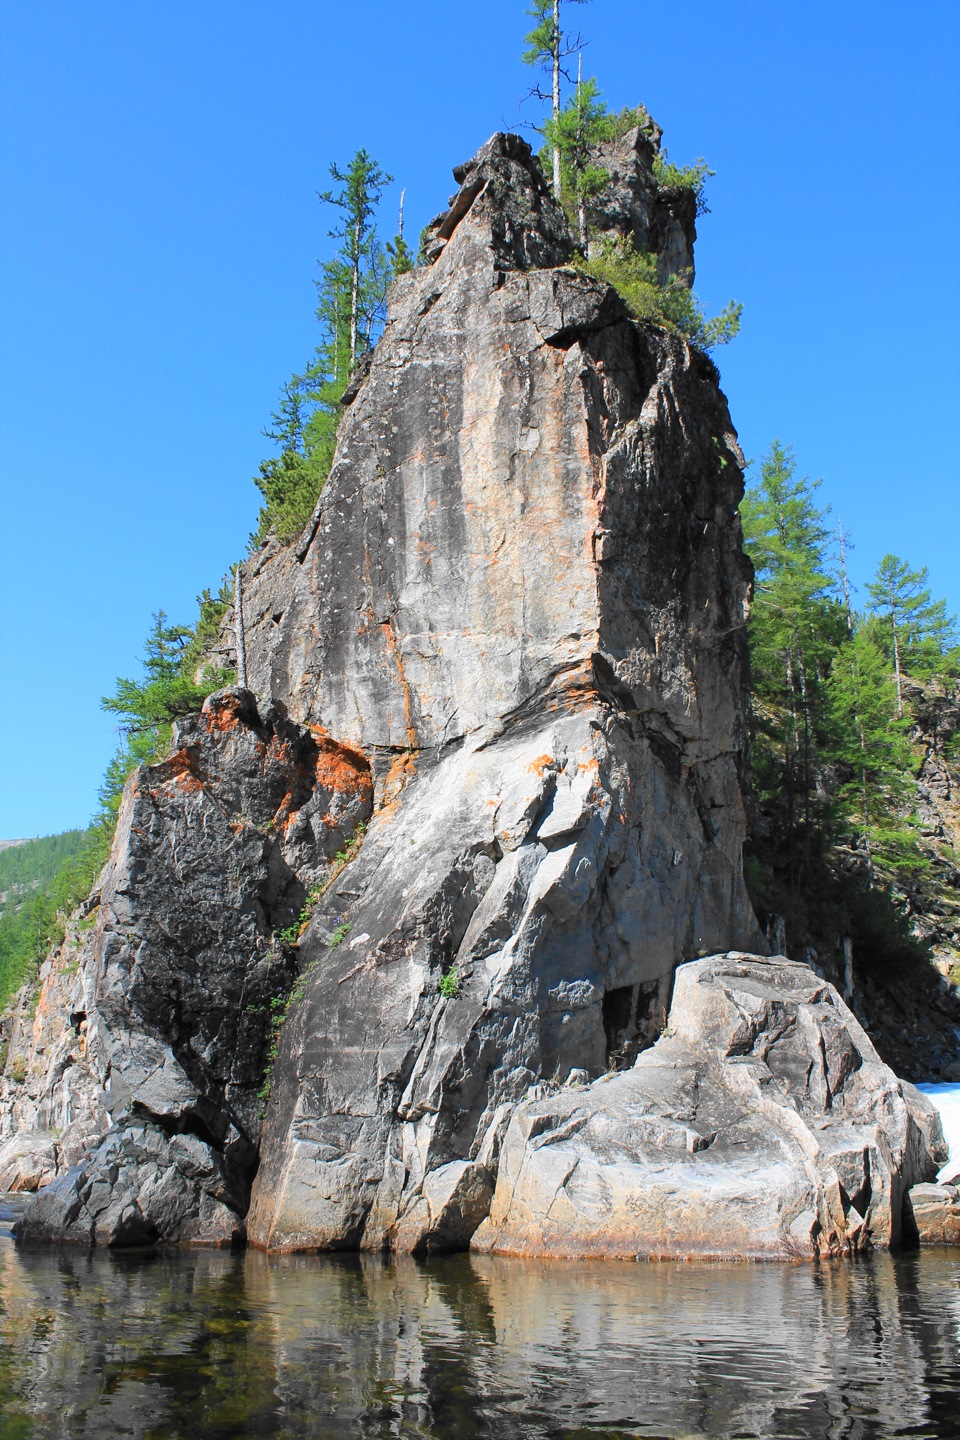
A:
833, 767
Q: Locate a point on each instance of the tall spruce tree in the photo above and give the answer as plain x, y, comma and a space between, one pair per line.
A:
796, 622
547, 48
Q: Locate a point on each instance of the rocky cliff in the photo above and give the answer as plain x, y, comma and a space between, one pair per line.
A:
510, 642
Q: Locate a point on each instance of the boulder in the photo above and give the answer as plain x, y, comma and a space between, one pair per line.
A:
762, 1124
28, 1160
932, 1215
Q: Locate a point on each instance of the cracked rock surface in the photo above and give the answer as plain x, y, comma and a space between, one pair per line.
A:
147, 1101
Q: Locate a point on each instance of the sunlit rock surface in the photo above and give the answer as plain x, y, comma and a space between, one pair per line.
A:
523, 596
761, 1124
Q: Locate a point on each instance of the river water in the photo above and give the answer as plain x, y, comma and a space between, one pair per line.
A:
231, 1347
215, 1346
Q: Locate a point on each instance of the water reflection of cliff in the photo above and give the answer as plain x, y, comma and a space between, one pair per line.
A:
243, 1346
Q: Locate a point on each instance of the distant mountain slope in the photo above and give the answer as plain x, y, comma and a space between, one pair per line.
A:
34, 884
31, 864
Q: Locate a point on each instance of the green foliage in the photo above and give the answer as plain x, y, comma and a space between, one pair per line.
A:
35, 863
450, 983
179, 671
796, 622
400, 256
545, 42
634, 275
291, 935
835, 839
33, 923
351, 296
621, 122
871, 744
575, 132
914, 630
683, 177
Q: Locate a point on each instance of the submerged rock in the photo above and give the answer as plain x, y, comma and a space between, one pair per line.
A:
762, 1124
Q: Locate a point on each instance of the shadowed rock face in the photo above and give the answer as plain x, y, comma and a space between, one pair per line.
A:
762, 1124
523, 596
153, 1091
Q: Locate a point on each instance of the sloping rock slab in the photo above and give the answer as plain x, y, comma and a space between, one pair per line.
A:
761, 1125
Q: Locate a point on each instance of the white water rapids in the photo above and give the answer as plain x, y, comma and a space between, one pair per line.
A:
947, 1100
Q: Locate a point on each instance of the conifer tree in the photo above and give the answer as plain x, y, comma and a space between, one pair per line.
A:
913, 625
547, 48
362, 184
871, 742
573, 135
351, 296
796, 622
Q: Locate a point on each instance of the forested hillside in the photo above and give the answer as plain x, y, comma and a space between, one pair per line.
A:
854, 759
34, 863
38, 879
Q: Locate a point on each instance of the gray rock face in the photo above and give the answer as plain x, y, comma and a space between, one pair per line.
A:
654, 217
761, 1124
170, 1002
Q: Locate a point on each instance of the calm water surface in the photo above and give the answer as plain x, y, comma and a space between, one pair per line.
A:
231, 1346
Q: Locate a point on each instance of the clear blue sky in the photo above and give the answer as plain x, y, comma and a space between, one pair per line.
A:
158, 179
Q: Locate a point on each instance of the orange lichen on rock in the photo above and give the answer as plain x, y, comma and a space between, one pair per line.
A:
179, 769
221, 713
402, 769
339, 767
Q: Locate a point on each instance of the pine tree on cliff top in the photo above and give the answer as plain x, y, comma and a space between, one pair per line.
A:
351, 302
547, 48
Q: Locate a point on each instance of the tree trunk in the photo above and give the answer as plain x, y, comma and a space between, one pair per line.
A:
556, 94
896, 666
355, 297
238, 630
847, 969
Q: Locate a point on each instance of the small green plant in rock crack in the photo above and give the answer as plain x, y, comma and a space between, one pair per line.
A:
450, 982
292, 933
281, 1005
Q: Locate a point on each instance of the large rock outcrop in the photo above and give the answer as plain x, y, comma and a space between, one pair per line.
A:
511, 639
523, 596
761, 1124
